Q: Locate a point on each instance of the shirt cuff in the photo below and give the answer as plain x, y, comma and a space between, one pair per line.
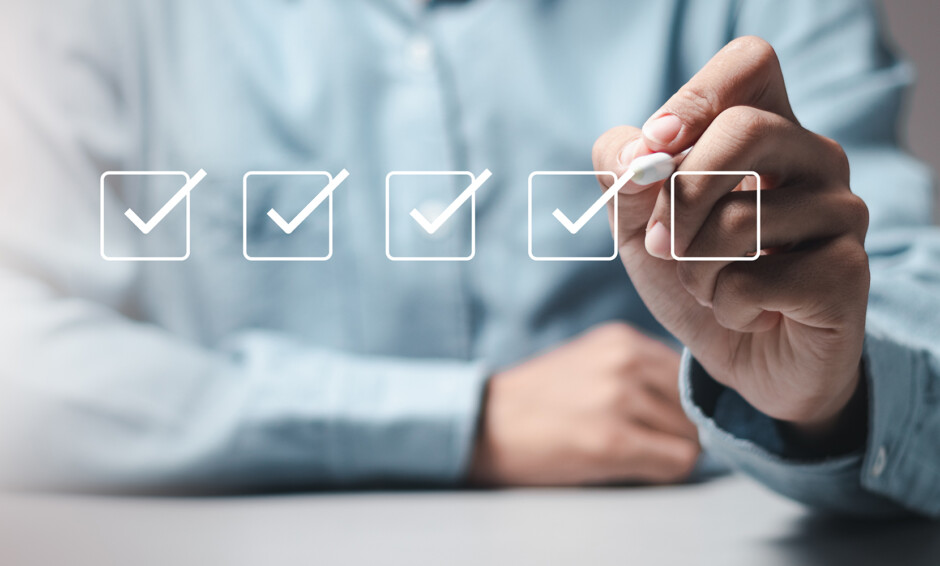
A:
866, 482
417, 423
902, 454
356, 420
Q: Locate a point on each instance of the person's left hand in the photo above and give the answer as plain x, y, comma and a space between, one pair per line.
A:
785, 330
602, 407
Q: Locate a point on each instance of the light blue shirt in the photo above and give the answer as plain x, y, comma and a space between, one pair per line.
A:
220, 373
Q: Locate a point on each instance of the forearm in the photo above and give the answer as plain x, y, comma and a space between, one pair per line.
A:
91, 399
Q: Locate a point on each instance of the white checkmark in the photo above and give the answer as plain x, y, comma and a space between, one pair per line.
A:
147, 227
432, 227
289, 227
575, 227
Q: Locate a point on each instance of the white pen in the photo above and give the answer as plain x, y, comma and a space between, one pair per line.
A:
643, 170
653, 168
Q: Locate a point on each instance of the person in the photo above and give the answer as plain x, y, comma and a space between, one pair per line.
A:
218, 373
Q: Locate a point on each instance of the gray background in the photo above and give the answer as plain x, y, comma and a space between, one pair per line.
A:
913, 27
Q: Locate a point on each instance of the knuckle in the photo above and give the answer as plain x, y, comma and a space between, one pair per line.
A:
857, 212
856, 259
849, 251
732, 286
839, 159
616, 343
737, 119
846, 282
676, 466
688, 275
724, 313
695, 103
608, 396
623, 358
757, 48
690, 189
744, 125
683, 463
627, 399
736, 216
613, 332
608, 442
846, 262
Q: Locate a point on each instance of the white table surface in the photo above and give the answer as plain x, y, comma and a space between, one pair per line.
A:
725, 521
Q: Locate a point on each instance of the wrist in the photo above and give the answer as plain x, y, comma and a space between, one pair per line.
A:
838, 430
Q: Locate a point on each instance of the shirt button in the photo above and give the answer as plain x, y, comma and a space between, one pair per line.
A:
420, 52
881, 460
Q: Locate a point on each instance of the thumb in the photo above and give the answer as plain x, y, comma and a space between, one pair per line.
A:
612, 154
656, 280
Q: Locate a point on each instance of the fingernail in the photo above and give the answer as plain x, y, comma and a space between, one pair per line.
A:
657, 241
662, 129
629, 152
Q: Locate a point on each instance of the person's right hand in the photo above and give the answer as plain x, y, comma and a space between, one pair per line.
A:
602, 408
787, 330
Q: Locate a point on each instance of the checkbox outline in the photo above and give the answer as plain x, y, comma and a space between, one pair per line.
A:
103, 179
614, 230
329, 198
473, 218
672, 216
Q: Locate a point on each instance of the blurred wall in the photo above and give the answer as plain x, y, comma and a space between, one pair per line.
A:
914, 27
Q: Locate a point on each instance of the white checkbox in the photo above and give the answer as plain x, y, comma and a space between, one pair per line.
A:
317, 198
575, 227
430, 227
146, 228
672, 216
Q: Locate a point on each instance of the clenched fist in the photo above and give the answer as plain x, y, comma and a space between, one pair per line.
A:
601, 408
785, 330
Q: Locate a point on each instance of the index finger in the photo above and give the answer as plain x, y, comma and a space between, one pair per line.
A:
746, 72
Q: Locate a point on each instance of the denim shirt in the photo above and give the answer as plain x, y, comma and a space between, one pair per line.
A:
218, 372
